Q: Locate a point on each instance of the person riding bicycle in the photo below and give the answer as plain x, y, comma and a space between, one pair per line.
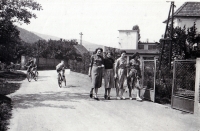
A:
31, 65
61, 67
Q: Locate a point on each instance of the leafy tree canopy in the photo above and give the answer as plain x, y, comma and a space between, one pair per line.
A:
18, 10
136, 27
12, 11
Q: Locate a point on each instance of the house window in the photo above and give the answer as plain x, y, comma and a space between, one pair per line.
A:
152, 47
140, 46
148, 58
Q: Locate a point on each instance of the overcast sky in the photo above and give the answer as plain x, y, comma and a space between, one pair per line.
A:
100, 20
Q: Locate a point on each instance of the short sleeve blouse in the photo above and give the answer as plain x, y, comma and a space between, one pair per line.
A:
96, 60
121, 63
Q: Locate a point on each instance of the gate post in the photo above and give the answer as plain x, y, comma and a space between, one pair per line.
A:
197, 88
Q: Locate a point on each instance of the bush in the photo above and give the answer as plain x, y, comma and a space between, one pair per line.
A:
5, 112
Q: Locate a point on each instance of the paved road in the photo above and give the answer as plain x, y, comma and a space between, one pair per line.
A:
43, 106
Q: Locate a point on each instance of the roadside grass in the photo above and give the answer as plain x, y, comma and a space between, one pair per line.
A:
5, 89
12, 76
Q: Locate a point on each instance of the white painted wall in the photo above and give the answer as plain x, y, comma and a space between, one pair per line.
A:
188, 22
128, 39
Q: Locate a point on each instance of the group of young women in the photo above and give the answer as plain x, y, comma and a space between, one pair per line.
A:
115, 73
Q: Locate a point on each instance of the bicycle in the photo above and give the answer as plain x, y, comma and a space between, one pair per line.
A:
61, 79
31, 75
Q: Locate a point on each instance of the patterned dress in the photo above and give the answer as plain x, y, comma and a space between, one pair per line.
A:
121, 64
135, 67
96, 72
133, 73
109, 73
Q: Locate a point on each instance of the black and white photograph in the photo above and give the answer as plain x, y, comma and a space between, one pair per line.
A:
99, 65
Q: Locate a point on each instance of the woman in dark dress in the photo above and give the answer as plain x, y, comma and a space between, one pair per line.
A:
108, 75
96, 71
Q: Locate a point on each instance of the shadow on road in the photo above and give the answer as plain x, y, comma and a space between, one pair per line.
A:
48, 99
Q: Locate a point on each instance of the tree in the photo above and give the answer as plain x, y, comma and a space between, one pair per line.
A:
18, 10
12, 11
179, 47
192, 33
136, 27
9, 40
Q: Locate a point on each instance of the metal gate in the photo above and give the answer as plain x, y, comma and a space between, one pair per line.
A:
148, 79
183, 87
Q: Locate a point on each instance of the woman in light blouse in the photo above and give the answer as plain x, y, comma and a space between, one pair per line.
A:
120, 74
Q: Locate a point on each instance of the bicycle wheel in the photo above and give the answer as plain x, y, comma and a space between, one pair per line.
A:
59, 80
29, 76
36, 76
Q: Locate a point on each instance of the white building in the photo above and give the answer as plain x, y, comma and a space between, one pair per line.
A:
187, 14
128, 39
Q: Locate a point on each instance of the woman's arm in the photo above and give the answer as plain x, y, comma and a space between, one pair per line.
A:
128, 67
115, 67
90, 66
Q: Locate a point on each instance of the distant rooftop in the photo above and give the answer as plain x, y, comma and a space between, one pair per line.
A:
81, 49
148, 43
188, 9
127, 30
142, 52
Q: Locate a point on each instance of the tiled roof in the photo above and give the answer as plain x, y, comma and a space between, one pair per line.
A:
81, 49
188, 9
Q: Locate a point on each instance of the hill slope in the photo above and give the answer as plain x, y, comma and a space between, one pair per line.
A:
47, 37
31, 37
28, 36
89, 46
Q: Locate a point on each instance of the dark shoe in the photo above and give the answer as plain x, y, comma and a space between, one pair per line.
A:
105, 96
109, 98
91, 95
96, 98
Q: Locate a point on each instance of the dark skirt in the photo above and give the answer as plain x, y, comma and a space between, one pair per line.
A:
96, 75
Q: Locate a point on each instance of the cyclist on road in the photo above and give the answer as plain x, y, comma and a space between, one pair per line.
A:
31, 66
61, 67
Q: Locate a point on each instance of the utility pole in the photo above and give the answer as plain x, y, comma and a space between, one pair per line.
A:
172, 28
38, 46
81, 38
171, 10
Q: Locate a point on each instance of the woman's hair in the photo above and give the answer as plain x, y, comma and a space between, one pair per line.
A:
98, 49
136, 54
123, 51
109, 52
